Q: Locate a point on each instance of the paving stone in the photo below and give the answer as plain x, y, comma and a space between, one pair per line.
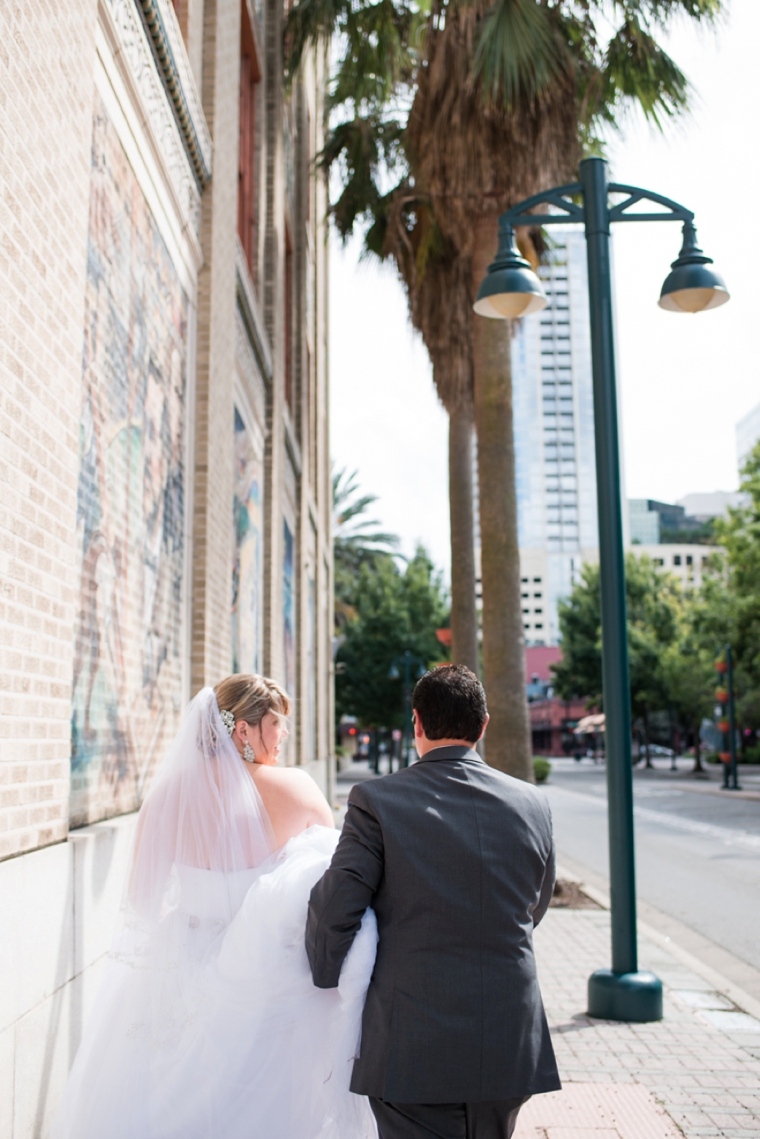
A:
692, 1073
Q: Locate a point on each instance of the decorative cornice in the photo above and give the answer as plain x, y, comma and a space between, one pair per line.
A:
129, 42
174, 68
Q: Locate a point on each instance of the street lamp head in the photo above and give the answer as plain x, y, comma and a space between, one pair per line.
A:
510, 288
692, 286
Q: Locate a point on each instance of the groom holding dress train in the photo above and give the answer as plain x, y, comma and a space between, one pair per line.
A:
457, 861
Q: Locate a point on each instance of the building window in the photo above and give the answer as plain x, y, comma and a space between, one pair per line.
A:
689, 560
538, 610
658, 561
676, 559
250, 74
537, 580
539, 625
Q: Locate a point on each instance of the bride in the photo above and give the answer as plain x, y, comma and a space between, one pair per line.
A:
208, 1025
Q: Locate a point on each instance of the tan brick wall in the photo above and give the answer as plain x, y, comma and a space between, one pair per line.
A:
47, 67
47, 54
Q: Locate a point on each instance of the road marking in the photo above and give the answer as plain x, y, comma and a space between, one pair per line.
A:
741, 838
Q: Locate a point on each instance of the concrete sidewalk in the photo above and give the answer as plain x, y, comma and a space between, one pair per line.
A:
695, 1073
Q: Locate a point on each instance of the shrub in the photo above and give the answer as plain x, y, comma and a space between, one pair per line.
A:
541, 768
752, 754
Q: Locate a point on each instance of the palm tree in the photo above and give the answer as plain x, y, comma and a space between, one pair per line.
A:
472, 106
355, 542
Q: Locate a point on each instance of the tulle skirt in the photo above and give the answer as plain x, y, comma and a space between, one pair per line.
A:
213, 1029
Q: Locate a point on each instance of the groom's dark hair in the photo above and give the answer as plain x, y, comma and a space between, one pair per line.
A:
450, 703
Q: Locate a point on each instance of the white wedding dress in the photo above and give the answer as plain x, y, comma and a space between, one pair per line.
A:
208, 1025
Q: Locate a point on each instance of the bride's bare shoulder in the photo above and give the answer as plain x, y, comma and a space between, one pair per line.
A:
294, 790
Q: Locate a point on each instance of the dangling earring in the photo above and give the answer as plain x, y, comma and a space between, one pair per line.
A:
249, 754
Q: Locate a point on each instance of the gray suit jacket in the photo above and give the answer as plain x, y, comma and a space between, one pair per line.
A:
457, 860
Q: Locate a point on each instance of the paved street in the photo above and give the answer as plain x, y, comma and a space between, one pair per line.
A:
698, 853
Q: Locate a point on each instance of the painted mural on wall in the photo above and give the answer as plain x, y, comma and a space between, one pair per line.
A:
248, 563
127, 681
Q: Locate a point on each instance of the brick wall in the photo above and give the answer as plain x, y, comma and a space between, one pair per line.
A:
108, 365
46, 65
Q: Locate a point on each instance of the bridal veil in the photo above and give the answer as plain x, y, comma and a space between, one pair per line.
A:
207, 1025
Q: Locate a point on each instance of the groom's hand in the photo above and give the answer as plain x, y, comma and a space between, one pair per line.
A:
340, 898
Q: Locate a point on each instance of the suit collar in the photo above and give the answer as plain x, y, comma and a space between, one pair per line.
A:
453, 752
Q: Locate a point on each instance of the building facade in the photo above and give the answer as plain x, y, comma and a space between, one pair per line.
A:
687, 562
554, 439
747, 435
165, 456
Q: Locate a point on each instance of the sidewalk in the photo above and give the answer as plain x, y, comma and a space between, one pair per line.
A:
697, 1070
695, 1073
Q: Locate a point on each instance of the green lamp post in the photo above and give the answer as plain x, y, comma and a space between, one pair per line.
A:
511, 289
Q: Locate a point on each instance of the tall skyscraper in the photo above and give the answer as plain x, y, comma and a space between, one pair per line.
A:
554, 439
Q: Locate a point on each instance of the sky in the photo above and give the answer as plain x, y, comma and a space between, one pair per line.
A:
684, 380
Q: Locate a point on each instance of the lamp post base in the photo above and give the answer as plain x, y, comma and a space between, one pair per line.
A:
624, 996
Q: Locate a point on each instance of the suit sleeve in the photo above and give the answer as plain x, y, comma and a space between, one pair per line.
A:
338, 901
547, 885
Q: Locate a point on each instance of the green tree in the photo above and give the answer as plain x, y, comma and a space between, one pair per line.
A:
444, 115
727, 610
734, 610
689, 676
395, 610
653, 606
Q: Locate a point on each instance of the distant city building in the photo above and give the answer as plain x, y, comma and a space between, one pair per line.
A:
747, 434
538, 674
648, 518
701, 508
686, 562
554, 440
643, 521
552, 724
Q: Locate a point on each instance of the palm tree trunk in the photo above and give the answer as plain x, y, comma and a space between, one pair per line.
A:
508, 743
464, 614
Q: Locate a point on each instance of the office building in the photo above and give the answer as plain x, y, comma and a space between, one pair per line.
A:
687, 561
554, 439
747, 435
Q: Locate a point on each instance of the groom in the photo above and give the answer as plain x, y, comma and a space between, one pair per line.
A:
457, 860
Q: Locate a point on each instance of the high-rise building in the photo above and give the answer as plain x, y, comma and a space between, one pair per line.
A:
554, 439
747, 434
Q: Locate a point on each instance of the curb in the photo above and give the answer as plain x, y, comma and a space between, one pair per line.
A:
720, 984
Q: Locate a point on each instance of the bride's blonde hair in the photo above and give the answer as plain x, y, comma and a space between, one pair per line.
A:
249, 697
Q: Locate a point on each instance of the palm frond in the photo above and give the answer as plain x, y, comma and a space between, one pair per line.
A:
636, 70
519, 51
308, 21
663, 11
351, 530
